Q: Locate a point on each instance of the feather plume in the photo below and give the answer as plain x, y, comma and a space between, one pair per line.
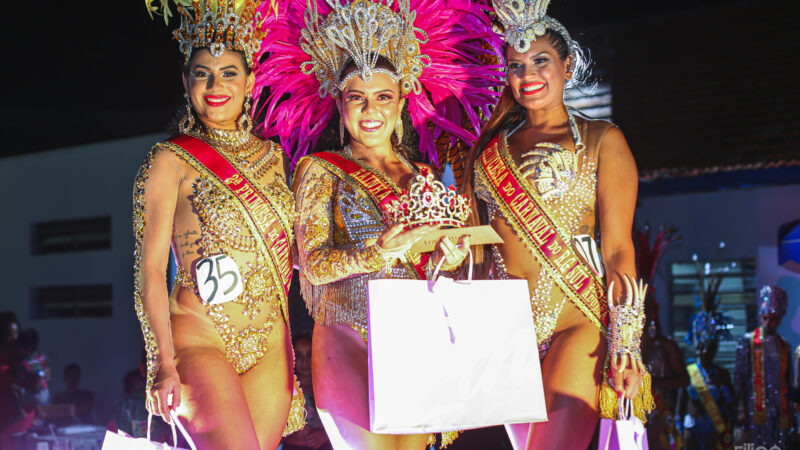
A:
457, 88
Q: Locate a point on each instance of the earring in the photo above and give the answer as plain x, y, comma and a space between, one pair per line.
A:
187, 121
341, 131
245, 121
398, 130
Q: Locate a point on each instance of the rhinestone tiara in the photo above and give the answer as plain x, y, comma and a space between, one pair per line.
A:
361, 31
524, 20
428, 202
215, 24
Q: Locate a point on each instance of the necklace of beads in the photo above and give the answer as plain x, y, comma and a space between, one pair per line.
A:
241, 146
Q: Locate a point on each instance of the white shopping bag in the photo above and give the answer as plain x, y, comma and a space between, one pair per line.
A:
628, 433
452, 355
123, 441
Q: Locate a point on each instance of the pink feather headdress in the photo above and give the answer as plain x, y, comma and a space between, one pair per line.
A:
458, 87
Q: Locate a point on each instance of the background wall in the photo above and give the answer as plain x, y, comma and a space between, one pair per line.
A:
747, 220
84, 181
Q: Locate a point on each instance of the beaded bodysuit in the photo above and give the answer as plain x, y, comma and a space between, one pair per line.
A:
245, 323
336, 231
566, 181
337, 226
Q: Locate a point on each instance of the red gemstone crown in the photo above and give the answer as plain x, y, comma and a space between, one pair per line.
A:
428, 202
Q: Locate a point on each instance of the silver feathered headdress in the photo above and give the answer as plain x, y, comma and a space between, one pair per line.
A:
524, 20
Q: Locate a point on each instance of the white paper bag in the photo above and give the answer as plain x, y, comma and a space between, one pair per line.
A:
628, 433
452, 355
123, 441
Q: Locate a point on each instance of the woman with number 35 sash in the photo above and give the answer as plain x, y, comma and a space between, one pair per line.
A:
219, 349
547, 180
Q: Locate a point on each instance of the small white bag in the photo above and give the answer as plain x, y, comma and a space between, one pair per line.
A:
452, 355
123, 441
628, 433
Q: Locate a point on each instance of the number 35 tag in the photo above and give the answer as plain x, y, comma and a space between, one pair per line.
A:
218, 279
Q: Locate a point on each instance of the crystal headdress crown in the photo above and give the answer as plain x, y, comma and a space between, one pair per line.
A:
216, 24
524, 20
428, 202
361, 31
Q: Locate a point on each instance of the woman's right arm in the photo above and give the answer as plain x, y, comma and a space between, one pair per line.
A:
322, 262
155, 198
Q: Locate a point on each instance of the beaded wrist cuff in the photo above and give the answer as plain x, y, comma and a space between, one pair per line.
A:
626, 321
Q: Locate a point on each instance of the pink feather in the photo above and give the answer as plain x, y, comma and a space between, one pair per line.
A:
456, 86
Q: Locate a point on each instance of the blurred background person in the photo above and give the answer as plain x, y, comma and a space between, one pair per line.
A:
82, 399
707, 405
764, 375
34, 366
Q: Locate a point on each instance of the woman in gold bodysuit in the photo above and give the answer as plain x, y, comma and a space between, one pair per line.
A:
550, 182
219, 349
368, 71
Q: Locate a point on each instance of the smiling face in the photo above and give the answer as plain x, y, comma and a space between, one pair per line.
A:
537, 77
217, 87
370, 110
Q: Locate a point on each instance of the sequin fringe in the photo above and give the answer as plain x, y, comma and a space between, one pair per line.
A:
642, 404
447, 438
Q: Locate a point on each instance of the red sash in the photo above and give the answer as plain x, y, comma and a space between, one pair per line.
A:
758, 371
260, 210
543, 239
378, 190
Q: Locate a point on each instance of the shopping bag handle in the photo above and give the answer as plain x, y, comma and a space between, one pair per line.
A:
175, 421
439, 267
625, 406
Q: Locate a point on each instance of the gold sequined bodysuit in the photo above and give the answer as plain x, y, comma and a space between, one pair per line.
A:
337, 226
566, 181
245, 323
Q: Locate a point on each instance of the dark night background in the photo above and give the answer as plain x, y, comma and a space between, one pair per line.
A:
696, 84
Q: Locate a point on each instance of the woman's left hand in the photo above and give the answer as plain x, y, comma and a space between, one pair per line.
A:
453, 254
627, 381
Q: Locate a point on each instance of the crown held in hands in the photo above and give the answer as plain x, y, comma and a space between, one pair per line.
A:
428, 202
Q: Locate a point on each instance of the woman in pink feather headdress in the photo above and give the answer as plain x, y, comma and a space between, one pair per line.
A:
356, 66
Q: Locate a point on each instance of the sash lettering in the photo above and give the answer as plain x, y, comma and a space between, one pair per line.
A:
759, 379
540, 234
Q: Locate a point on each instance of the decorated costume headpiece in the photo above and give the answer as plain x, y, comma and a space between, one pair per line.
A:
709, 324
525, 20
435, 47
360, 32
217, 25
772, 300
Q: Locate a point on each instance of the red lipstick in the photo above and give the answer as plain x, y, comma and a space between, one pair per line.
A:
531, 88
216, 100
